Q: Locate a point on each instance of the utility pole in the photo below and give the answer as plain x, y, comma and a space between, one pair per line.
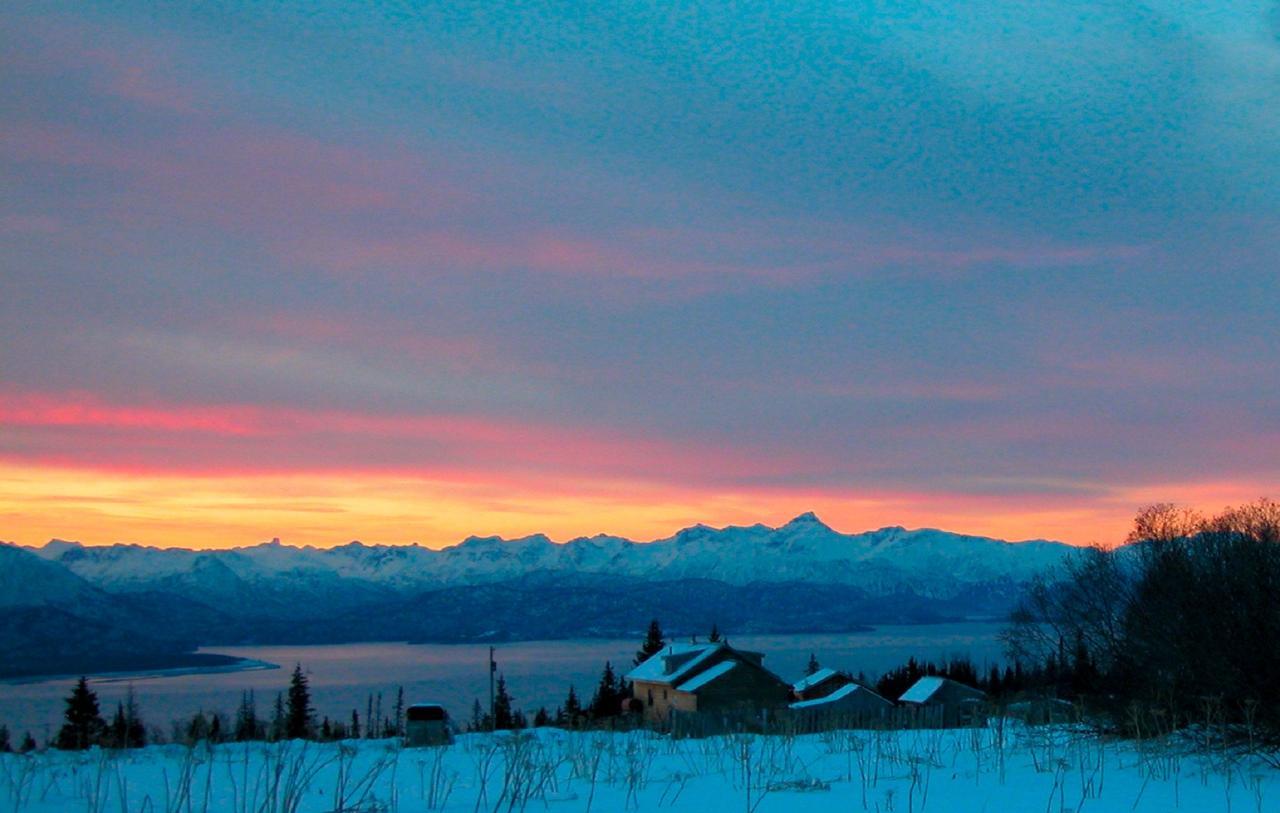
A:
493, 667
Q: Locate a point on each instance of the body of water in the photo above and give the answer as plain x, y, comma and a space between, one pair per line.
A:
538, 673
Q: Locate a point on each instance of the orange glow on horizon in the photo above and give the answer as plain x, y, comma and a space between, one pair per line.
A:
99, 506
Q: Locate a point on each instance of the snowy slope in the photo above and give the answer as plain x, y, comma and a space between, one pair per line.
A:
1000, 768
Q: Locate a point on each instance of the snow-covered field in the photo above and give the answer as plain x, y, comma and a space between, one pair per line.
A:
1000, 768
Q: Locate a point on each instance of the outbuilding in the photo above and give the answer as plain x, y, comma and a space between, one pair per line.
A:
427, 724
851, 705
943, 703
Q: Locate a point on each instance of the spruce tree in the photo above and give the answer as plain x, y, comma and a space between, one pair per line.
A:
300, 717
278, 719
127, 729
247, 727
542, 718
572, 706
714, 637
607, 698
28, 744
653, 643
5, 747
813, 666
399, 718
197, 728
84, 725
118, 732
135, 729
503, 717
355, 724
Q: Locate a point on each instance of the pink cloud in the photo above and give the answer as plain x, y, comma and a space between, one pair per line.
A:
81, 428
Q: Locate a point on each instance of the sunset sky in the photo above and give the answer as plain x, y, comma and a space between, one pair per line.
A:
407, 274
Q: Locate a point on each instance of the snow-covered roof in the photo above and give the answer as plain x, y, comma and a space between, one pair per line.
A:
698, 681
922, 690
655, 668
809, 681
838, 694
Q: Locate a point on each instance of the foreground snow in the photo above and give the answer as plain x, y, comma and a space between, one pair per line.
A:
996, 769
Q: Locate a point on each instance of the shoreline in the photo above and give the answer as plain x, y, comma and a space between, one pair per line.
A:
130, 676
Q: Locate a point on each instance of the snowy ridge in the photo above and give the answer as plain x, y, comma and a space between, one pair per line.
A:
932, 563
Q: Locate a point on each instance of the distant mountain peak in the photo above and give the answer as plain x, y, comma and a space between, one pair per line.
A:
806, 520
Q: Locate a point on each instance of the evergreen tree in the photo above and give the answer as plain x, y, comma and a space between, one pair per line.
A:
714, 637
1084, 672
118, 732
608, 699
503, 717
197, 728
278, 719
653, 643
28, 744
326, 731
479, 720
370, 721
541, 719
814, 666
84, 724
299, 716
355, 724
572, 707
399, 718
135, 729
247, 726
5, 747
127, 729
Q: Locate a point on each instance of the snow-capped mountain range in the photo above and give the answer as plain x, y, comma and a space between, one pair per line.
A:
96, 605
932, 563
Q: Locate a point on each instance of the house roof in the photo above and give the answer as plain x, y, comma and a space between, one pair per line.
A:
922, 690
809, 681
926, 687
838, 694
698, 681
655, 668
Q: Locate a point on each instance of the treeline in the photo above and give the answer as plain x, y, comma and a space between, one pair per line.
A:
610, 702
1057, 676
1178, 628
292, 717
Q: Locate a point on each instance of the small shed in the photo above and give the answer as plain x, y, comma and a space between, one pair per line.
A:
427, 724
850, 706
943, 703
818, 684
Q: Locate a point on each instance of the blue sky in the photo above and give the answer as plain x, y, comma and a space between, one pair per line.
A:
1005, 269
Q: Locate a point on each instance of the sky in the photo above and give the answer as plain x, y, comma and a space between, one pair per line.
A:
408, 272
